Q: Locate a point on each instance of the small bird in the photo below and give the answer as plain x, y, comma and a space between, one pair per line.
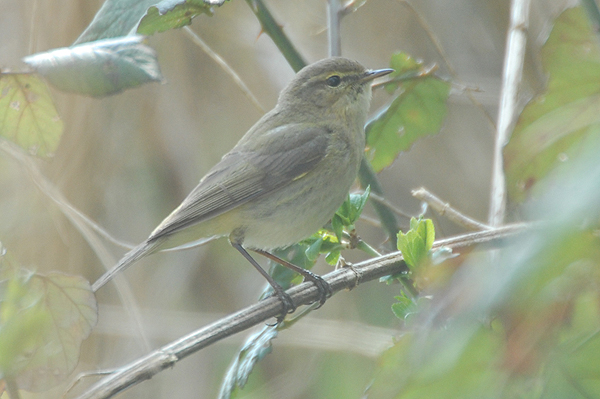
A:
284, 179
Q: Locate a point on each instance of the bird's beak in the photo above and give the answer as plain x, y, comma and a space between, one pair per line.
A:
370, 75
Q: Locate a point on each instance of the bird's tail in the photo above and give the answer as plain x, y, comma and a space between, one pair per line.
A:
142, 250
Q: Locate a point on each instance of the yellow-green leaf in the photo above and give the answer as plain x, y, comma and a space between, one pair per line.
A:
556, 125
44, 320
27, 114
418, 110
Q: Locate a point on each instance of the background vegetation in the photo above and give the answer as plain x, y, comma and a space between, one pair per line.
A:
521, 323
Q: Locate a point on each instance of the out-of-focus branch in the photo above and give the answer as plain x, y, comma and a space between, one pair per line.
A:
511, 79
275, 32
223, 64
82, 224
444, 209
440, 49
334, 16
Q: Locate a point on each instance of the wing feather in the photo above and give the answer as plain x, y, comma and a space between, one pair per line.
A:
252, 169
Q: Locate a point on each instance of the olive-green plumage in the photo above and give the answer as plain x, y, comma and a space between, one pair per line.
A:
287, 175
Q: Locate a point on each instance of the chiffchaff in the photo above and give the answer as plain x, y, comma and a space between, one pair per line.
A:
284, 179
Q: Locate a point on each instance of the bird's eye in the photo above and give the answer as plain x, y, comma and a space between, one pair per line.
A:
333, 81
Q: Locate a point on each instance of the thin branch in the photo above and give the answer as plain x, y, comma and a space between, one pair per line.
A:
223, 64
438, 46
341, 279
444, 209
334, 17
275, 32
511, 79
391, 206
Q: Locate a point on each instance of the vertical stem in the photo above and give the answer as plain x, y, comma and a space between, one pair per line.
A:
275, 32
511, 78
334, 18
367, 177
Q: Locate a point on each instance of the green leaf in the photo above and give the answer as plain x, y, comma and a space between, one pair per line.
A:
333, 257
555, 126
114, 19
314, 250
255, 349
123, 17
417, 242
99, 68
418, 110
172, 14
337, 224
451, 363
43, 320
403, 307
27, 114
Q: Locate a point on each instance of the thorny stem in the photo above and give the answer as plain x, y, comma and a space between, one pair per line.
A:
275, 32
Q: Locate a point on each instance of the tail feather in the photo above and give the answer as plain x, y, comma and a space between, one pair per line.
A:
142, 250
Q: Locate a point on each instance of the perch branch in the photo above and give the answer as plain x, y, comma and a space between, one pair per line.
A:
341, 279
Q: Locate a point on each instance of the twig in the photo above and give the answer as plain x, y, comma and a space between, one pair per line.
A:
442, 53
303, 294
388, 204
273, 29
223, 64
444, 209
511, 78
334, 16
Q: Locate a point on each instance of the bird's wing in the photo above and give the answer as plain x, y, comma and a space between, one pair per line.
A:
252, 169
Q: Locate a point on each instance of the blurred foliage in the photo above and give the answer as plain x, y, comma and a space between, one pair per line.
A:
419, 109
522, 321
522, 325
27, 114
557, 124
99, 68
519, 322
43, 321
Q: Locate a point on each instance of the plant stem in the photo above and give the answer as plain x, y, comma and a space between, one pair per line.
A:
275, 32
367, 177
334, 14
511, 79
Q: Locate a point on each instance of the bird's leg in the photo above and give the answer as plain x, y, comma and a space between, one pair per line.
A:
322, 285
286, 300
